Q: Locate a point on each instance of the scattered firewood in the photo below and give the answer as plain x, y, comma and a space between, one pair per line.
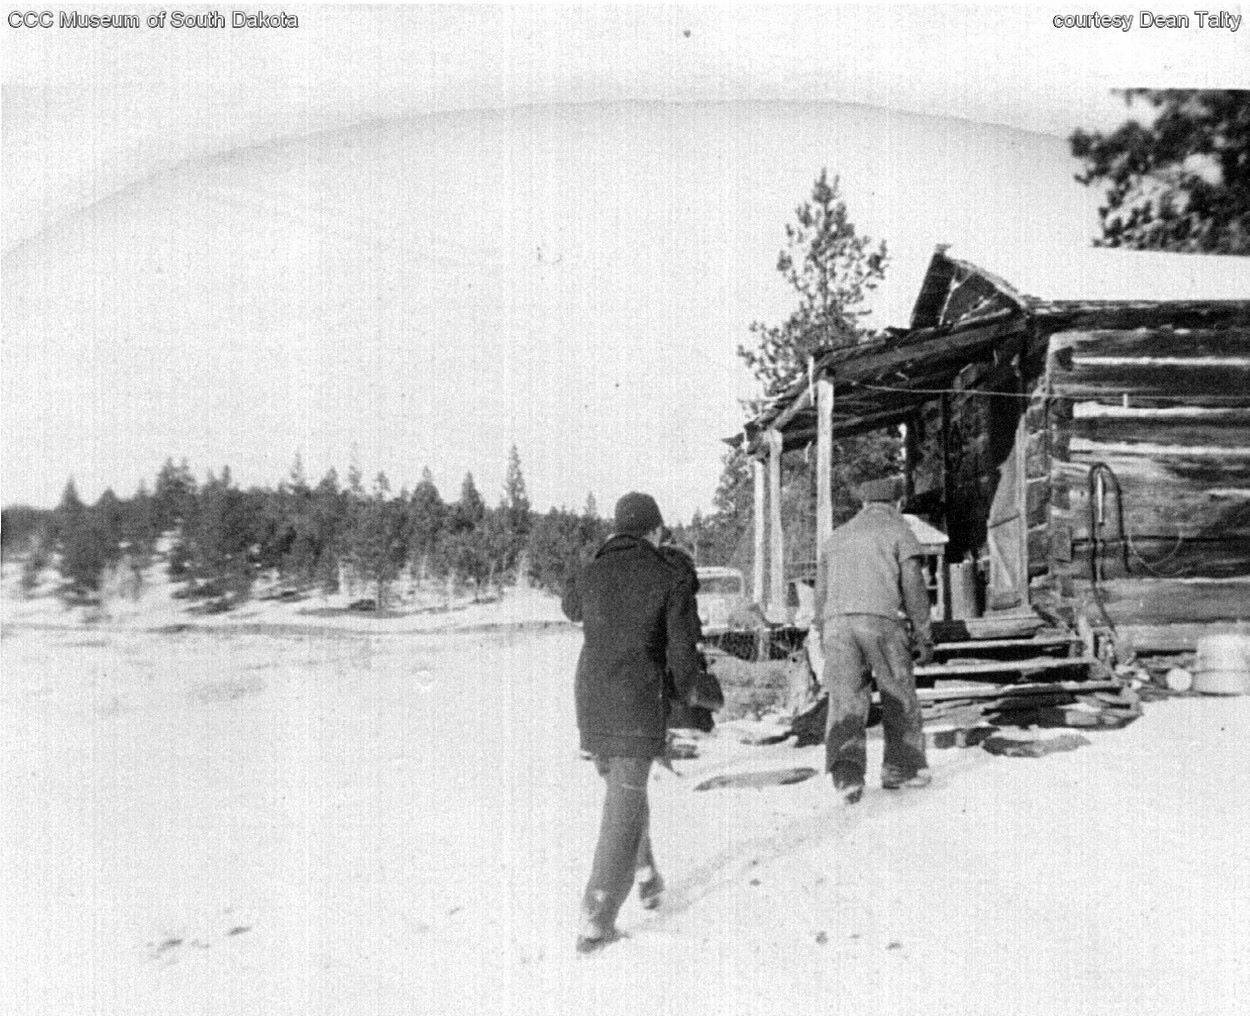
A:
758, 780
757, 732
1015, 748
809, 726
961, 737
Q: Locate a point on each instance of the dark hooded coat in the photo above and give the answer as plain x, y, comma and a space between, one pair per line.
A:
640, 621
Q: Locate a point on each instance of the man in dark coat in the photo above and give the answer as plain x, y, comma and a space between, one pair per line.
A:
682, 713
640, 621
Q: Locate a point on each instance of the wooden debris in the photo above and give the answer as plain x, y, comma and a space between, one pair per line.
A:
1034, 665
1015, 748
963, 737
681, 749
758, 780
1014, 690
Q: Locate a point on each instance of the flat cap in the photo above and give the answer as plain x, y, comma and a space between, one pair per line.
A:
886, 488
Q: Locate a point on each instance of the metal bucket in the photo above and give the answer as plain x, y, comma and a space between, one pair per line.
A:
1223, 664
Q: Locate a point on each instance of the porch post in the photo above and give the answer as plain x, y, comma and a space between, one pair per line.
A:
824, 466
757, 576
776, 549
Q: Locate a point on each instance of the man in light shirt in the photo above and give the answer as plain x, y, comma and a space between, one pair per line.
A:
869, 588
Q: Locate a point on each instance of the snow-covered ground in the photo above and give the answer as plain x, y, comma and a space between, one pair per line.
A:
270, 820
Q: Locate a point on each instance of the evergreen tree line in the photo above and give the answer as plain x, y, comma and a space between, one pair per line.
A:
220, 538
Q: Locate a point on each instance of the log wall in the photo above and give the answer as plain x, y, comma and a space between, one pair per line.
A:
1168, 409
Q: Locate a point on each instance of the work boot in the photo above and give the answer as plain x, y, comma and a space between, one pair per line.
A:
650, 888
587, 944
598, 925
893, 779
848, 782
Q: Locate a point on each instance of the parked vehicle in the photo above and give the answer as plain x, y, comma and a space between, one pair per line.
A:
721, 592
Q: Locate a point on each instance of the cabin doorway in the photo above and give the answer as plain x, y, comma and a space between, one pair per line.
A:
1006, 538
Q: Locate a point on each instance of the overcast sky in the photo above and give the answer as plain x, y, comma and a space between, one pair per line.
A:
144, 149
86, 112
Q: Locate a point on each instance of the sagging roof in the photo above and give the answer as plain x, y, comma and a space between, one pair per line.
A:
1090, 275
966, 313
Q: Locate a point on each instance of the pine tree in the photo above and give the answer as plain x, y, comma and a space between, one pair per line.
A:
426, 518
1181, 182
306, 542
139, 530
88, 539
376, 539
355, 480
69, 511
515, 521
326, 527
832, 270
21, 526
215, 542
173, 499
470, 509
110, 516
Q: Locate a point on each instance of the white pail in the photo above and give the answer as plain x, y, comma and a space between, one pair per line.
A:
1223, 664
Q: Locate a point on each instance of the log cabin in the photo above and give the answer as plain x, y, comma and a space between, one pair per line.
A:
1082, 439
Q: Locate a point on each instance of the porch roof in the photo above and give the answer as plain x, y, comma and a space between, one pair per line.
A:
964, 313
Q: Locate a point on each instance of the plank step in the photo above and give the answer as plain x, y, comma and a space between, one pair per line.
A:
1004, 691
1045, 641
1000, 666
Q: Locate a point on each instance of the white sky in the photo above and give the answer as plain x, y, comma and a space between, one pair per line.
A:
106, 161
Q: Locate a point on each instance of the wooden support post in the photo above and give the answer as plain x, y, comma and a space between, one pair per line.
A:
824, 467
776, 546
757, 480
948, 486
911, 452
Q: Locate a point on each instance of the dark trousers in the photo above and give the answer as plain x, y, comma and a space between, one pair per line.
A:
624, 840
859, 647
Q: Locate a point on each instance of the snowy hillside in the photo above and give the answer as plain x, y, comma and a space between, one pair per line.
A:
263, 822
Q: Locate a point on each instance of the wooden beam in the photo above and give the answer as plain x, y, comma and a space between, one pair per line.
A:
911, 451
776, 544
1158, 341
1015, 690
979, 645
804, 401
1114, 315
942, 345
757, 480
824, 466
1172, 601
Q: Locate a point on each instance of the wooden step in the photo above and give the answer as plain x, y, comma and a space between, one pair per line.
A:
991, 627
1042, 642
1035, 663
1003, 691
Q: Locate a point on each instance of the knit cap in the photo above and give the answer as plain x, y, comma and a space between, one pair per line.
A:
637, 514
